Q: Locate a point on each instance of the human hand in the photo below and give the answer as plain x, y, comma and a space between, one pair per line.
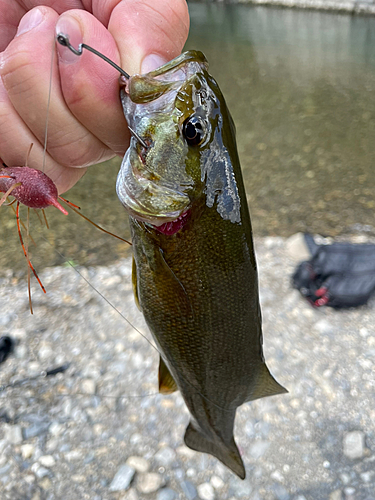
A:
85, 120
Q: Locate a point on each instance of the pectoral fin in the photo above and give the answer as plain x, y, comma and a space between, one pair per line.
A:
228, 455
265, 385
167, 385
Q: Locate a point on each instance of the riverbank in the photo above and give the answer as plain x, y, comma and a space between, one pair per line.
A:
99, 432
345, 6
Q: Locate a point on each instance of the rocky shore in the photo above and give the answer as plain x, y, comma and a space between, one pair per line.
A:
100, 431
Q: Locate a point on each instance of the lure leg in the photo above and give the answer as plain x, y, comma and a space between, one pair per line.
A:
9, 190
24, 249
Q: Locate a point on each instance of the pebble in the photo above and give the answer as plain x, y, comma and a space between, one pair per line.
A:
165, 456
139, 464
189, 490
354, 444
122, 479
258, 449
13, 434
40, 471
47, 461
217, 482
323, 327
297, 248
335, 495
88, 386
206, 491
36, 429
149, 482
166, 494
27, 451
131, 494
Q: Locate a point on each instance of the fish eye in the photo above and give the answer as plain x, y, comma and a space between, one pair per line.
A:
194, 130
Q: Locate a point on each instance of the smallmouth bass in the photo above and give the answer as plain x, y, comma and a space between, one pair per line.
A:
194, 269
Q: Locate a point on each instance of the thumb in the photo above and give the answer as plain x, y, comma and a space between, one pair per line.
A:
149, 32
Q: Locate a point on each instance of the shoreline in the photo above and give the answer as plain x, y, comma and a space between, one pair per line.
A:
356, 7
101, 429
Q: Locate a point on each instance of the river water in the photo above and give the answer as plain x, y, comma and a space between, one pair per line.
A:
301, 89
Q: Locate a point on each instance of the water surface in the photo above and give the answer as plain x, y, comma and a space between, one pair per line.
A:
300, 86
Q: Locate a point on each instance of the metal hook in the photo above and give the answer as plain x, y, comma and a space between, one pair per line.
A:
64, 41
139, 139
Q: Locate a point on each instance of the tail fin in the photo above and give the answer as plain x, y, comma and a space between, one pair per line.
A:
228, 455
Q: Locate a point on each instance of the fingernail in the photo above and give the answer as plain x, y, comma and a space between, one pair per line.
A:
151, 62
68, 26
30, 21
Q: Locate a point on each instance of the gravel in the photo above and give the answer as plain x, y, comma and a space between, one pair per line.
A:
101, 431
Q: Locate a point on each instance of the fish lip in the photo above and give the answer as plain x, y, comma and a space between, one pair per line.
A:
131, 186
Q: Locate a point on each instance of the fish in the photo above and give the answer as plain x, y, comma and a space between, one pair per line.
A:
194, 268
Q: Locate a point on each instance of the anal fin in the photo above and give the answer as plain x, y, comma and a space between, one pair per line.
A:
265, 385
167, 385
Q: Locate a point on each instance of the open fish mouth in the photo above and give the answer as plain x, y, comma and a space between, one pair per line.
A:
146, 198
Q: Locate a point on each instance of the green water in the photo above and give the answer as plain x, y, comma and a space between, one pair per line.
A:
301, 89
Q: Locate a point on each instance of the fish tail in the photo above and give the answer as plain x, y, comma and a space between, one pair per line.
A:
227, 454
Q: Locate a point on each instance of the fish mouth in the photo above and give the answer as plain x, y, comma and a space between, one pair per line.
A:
146, 198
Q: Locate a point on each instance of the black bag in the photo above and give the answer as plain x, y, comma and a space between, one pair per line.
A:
340, 275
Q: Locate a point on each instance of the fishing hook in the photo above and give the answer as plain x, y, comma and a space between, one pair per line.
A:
64, 41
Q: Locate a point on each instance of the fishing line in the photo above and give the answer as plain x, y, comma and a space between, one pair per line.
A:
132, 326
48, 105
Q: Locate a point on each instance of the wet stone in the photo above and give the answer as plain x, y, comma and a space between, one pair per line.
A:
140, 464
166, 494
206, 491
354, 444
13, 434
36, 429
149, 482
165, 456
122, 479
189, 490
280, 492
335, 495
47, 461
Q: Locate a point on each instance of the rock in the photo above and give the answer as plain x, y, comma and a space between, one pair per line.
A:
140, 464
122, 479
165, 456
13, 434
335, 495
47, 461
27, 451
166, 494
36, 429
130, 495
323, 327
189, 490
39, 471
206, 491
88, 386
349, 493
296, 247
217, 482
280, 492
149, 482
354, 444
367, 476
259, 448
